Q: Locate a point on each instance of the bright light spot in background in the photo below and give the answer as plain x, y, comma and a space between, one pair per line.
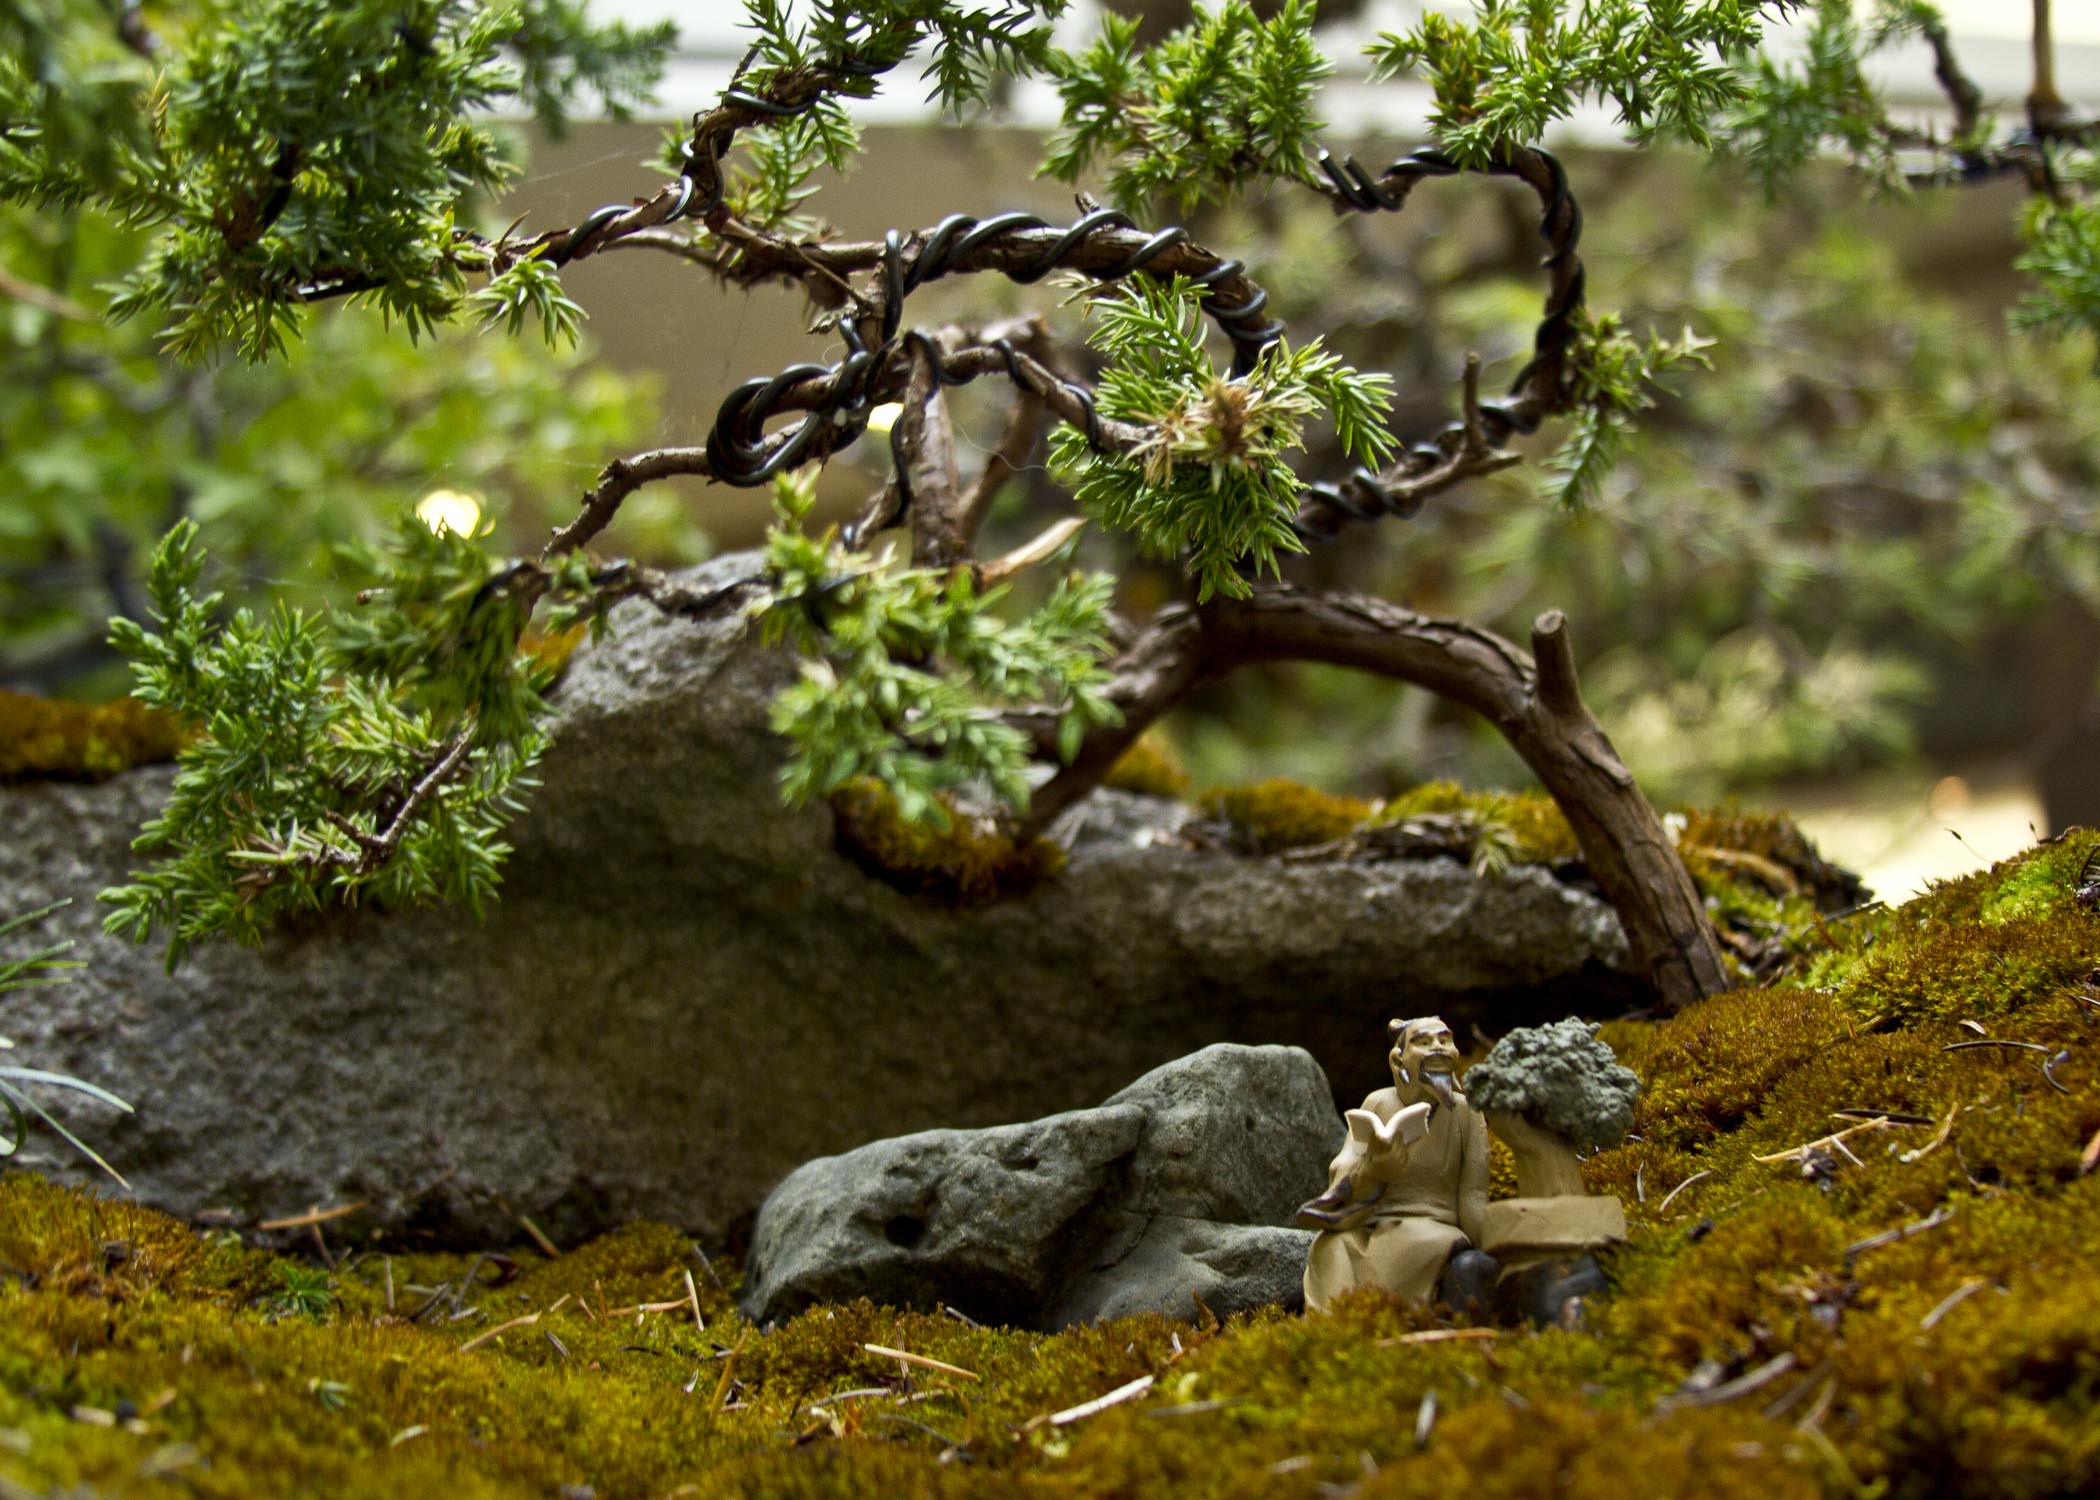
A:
449, 510
884, 417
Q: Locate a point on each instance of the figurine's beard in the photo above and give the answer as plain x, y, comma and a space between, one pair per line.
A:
1440, 1083
1437, 1078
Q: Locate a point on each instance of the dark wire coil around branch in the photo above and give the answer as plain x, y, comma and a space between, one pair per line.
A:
1362, 496
738, 449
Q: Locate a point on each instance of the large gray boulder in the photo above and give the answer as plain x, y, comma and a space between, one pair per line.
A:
685, 991
1174, 1190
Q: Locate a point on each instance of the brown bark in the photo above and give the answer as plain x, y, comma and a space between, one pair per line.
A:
1534, 701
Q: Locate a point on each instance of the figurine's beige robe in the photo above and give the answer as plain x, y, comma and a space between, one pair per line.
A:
1433, 1205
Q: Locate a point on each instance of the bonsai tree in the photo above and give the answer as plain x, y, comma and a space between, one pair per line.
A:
1550, 1092
288, 153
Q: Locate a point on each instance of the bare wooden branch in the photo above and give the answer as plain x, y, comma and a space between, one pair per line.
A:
1537, 708
2045, 107
20, 289
1963, 95
619, 479
923, 441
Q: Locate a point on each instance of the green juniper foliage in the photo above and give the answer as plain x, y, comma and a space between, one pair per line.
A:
302, 1292
278, 152
1213, 483
848, 44
378, 764
907, 670
1227, 98
289, 142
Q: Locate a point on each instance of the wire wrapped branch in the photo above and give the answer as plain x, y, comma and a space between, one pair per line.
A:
1541, 388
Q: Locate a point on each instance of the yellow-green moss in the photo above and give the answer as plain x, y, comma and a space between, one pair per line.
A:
1961, 1360
48, 738
552, 649
957, 861
1278, 814
1150, 767
1531, 824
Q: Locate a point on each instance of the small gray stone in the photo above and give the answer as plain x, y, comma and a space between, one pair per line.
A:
1169, 1192
1241, 1135
984, 1220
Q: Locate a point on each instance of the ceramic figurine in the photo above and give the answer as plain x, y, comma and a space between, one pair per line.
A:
1409, 1187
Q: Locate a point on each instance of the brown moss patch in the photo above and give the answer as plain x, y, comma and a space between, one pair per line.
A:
962, 861
47, 738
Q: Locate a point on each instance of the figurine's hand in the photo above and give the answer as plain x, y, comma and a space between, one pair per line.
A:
1339, 1207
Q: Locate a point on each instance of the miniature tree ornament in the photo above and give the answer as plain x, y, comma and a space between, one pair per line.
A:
1549, 1092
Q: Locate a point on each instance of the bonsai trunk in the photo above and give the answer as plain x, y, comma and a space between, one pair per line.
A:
1533, 700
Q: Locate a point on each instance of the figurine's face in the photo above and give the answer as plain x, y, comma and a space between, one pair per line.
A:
1425, 1055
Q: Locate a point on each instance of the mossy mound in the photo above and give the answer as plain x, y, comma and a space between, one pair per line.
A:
50, 739
1908, 1311
959, 860
1149, 767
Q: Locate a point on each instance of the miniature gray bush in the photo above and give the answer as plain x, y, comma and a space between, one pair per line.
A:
1560, 1077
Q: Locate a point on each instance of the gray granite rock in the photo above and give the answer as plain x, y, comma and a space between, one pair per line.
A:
1168, 1196
685, 991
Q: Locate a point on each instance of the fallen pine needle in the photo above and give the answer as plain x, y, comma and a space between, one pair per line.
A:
1900, 1233
2089, 1158
1439, 1336
1671, 1197
692, 1296
485, 1335
404, 1435
1801, 1152
1086, 1409
1952, 1300
1939, 1137
539, 1237
1729, 1390
922, 1361
720, 1399
315, 1216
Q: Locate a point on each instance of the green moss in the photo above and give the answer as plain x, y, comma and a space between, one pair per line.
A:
1963, 1359
1530, 824
1276, 815
961, 862
45, 738
1149, 767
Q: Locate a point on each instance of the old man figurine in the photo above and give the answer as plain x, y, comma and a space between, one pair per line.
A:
1409, 1188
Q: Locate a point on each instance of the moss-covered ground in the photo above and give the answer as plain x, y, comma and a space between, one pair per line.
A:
1908, 1311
